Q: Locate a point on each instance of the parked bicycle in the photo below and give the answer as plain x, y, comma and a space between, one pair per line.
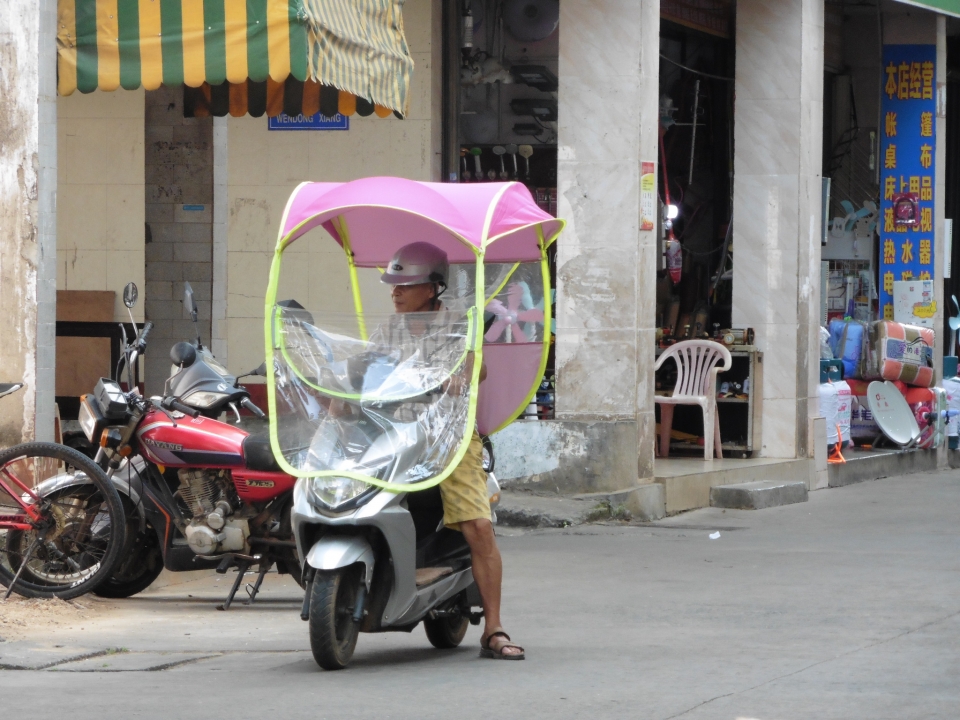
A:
61, 539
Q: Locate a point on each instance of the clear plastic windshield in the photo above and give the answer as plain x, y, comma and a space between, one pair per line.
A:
370, 393
515, 309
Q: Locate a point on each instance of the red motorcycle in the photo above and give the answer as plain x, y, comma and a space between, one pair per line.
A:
198, 493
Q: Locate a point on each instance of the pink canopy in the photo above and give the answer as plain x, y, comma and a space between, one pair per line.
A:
380, 214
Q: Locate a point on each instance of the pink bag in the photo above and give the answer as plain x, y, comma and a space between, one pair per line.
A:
901, 352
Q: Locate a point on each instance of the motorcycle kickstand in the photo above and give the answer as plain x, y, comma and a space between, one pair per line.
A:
265, 566
242, 567
23, 563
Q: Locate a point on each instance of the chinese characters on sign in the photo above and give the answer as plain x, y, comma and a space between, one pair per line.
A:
906, 180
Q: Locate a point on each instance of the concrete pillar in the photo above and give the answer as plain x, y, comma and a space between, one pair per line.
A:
19, 231
776, 210
179, 171
47, 223
606, 266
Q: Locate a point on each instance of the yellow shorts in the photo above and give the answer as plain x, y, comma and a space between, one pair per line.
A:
464, 492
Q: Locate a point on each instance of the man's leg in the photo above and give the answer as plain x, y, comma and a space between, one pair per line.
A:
487, 572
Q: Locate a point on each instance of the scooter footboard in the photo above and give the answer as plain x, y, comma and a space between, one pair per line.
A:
432, 595
335, 552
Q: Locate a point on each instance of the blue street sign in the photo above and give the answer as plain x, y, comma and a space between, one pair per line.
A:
310, 122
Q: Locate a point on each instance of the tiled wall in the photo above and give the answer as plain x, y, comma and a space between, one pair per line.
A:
100, 206
263, 168
179, 217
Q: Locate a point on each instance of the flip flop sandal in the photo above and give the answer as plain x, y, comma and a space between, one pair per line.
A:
497, 654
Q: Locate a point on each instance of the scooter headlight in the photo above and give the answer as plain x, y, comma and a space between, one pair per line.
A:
335, 492
203, 399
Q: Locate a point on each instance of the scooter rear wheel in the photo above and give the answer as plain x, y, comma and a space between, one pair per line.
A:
446, 633
333, 632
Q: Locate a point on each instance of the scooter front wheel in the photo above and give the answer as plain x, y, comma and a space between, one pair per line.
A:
333, 631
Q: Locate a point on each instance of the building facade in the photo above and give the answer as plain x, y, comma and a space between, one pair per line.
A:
107, 187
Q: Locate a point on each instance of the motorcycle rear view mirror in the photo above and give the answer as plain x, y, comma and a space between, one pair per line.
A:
130, 295
183, 354
189, 304
258, 372
190, 307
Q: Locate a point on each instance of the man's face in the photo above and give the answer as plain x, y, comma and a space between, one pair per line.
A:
412, 298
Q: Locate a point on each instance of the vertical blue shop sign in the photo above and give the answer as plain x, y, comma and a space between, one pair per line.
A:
908, 150
309, 122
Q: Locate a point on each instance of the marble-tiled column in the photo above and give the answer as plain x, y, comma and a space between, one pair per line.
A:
608, 104
778, 125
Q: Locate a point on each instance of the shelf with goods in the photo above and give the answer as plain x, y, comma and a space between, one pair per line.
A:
739, 414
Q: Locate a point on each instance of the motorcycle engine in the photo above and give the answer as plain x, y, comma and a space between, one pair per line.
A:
212, 530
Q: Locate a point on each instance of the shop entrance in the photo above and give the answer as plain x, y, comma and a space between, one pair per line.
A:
694, 274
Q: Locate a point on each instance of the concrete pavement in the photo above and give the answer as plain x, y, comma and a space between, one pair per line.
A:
847, 606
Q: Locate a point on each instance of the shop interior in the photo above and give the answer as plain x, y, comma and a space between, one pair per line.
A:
864, 182
501, 124
695, 197
501, 114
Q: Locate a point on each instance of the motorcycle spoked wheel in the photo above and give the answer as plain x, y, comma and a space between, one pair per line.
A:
333, 632
140, 562
76, 543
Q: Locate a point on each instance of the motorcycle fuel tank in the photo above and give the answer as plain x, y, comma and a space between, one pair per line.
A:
191, 442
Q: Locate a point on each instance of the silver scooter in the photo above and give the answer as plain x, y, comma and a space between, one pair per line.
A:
379, 561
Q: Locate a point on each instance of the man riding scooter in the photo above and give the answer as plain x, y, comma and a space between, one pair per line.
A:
418, 276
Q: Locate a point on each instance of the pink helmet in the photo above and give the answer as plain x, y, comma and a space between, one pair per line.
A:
417, 263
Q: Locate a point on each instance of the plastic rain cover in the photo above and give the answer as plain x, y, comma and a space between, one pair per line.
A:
393, 407
362, 393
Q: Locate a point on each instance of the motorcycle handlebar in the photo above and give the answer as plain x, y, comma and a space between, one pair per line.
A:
170, 403
251, 406
142, 340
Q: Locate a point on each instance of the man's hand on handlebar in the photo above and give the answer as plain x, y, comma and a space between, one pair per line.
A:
456, 384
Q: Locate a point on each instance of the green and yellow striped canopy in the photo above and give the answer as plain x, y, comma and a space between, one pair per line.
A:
356, 47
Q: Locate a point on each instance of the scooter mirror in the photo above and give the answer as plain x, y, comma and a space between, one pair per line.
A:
261, 371
183, 354
189, 304
130, 295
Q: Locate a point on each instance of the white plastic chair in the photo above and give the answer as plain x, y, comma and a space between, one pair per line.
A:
697, 371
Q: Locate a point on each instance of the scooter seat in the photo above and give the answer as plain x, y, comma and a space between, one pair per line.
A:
258, 455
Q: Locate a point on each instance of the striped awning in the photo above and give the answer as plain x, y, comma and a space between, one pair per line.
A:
255, 54
291, 97
947, 7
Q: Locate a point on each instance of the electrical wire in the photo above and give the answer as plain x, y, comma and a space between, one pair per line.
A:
696, 72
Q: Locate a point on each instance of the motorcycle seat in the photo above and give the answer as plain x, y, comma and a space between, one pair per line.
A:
258, 455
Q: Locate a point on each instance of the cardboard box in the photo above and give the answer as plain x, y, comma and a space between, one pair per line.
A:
913, 302
85, 305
